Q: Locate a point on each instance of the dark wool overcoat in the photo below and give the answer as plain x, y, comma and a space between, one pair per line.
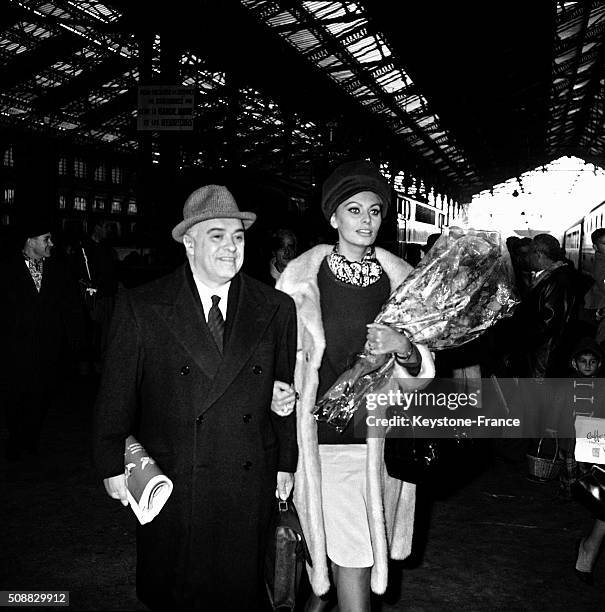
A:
38, 329
206, 420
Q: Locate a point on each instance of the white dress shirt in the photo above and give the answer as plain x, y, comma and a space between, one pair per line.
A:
206, 294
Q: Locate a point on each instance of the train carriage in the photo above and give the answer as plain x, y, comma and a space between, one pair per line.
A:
577, 238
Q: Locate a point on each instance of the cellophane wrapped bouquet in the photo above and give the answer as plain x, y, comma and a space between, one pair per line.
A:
461, 287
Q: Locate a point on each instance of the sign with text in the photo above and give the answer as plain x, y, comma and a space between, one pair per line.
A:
590, 440
165, 108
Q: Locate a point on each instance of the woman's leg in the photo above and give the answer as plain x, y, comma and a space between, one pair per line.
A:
589, 547
352, 588
352, 591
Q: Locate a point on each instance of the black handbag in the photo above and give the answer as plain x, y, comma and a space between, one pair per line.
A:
285, 556
421, 460
589, 489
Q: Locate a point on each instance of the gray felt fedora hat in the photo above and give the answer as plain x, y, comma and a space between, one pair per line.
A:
210, 202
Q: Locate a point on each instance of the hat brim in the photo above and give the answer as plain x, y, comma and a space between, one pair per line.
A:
248, 218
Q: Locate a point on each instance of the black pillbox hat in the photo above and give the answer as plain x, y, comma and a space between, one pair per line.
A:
351, 178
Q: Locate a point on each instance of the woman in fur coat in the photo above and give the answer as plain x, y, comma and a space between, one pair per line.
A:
352, 512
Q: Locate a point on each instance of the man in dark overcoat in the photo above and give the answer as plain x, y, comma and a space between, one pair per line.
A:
543, 333
201, 406
42, 322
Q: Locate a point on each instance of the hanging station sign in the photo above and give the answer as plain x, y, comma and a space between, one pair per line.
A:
164, 108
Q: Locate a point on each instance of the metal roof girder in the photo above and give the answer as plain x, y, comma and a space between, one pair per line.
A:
566, 17
30, 63
80, 85
590, 100
577, 60
594, 33
570, 63
100, 114
348, 59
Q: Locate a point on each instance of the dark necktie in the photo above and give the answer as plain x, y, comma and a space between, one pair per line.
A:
216, 323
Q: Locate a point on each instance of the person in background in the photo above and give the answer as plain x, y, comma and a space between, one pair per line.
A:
195, 362
42, 326
520, 258
430, 241
511, 244
99, 285
594, 298
587, 551
541, 341
572, 398
283, 249
413, 254
344, 497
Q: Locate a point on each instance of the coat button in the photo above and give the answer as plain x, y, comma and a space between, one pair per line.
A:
185, 370
247, 465
257, 369
199, 419
247, 418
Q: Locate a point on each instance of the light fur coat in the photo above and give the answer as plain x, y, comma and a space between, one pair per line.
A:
391, 503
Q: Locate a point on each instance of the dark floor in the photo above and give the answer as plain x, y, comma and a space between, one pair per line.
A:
497, 543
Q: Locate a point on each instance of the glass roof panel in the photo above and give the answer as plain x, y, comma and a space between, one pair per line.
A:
392, 82
97, 10
329, 61
565, 56
569, 29
325, 9
342, 75
365, 50
281, 19
342, 28
35, 30
597, 14
303, 39
10, 47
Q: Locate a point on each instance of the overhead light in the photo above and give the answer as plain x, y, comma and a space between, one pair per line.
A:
516, 194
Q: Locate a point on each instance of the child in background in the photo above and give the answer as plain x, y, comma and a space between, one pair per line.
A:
586, 397
581, 394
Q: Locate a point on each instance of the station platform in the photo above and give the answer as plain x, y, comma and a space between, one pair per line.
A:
495, 542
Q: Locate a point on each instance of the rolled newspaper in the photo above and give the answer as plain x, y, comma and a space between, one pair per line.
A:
148, 487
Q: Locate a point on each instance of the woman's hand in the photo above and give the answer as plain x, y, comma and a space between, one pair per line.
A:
383, 339
284, 398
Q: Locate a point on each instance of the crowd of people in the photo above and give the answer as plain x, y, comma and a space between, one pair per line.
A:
558, 336
217, 374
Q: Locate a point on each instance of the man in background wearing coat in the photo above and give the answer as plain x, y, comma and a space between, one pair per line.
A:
542, 337
41, 325
191, 371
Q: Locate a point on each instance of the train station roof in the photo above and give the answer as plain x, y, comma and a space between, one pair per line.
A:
465, 94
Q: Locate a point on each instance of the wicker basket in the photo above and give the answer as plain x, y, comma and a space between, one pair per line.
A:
544, 468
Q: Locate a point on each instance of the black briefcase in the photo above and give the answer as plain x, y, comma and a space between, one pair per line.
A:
285, 556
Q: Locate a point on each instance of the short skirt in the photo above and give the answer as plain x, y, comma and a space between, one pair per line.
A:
343, 490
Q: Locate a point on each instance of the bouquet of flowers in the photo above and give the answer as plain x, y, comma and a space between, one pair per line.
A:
463, 285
